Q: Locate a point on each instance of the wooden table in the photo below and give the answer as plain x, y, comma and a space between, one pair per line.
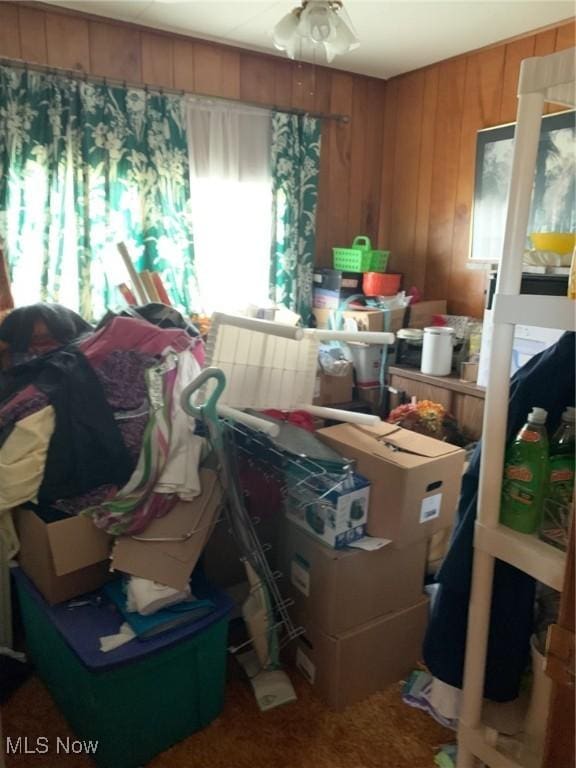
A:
464, 401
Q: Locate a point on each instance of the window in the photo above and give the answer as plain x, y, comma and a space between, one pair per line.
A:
231, 199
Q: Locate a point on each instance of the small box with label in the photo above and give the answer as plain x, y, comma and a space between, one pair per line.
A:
336, 515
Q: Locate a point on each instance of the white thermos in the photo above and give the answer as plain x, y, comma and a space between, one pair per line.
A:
437, 351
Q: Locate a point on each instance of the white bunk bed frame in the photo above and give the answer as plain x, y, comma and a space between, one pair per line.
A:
542, 79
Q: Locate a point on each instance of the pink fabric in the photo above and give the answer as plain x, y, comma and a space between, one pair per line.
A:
125, 333
24, 394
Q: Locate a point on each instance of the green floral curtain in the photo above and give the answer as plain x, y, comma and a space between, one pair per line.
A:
295, 170
82, 167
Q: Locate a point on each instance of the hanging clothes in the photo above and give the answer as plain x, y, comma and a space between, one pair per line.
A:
39, 328
22, 461
134, 504
158, 314
180, 473
126, 333
28, 401
23, 458
86, 449
546, 381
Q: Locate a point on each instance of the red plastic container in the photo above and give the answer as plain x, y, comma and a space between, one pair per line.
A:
381, 284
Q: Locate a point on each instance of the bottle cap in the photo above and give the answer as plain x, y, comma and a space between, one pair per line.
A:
569, 414
538, 416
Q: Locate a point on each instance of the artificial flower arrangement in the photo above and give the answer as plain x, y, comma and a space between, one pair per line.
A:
429, 419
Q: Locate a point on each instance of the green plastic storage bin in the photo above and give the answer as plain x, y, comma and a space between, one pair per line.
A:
135, 709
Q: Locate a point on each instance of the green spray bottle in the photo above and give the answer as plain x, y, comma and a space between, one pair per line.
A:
558, 500
526, 475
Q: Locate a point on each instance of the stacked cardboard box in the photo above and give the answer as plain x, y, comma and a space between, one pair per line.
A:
363, 612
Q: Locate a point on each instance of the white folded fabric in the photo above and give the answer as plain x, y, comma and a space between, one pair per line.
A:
147, 597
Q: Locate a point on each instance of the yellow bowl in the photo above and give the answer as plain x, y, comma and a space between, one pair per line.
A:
557, 242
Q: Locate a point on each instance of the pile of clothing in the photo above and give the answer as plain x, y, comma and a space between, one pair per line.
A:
91, 421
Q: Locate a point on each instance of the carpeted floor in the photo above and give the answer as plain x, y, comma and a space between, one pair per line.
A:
381, 732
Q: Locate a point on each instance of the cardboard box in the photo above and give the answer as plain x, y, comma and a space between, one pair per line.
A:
397, 320
341, 589
420, 315
338, 518
189, 525
365, 319
65, 558
415, 480
331, 287
346, 668
331, 390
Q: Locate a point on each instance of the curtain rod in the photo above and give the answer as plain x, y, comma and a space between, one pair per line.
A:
86, 77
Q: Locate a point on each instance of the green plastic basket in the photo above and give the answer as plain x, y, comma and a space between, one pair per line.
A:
379, 261
360, 257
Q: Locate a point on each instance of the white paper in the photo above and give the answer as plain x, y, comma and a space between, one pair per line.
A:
370, 543
430, 508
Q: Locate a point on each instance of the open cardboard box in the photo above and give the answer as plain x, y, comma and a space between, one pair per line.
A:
341, 589
415, 480
64, 558
365, 319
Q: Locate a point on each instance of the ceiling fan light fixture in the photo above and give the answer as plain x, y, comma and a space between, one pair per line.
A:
316, 22
344, 39
285, 30
322, 22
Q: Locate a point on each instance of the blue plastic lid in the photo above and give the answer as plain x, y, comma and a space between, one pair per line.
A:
84, 620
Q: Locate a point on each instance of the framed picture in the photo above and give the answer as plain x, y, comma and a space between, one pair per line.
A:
553, 207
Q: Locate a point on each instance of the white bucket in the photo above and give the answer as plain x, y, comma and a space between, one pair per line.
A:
437, 348
367, 360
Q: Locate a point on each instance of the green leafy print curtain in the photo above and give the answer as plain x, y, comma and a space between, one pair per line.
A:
83, 166
295, 152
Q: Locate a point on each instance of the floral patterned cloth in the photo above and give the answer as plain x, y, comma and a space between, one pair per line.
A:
295, 170
85, 165
82, 166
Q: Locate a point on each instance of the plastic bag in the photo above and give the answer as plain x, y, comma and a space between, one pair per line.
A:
332, 360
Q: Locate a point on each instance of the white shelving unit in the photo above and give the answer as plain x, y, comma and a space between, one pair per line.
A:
542, 79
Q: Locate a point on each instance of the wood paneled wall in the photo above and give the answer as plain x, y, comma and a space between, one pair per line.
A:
432, 116
349, 193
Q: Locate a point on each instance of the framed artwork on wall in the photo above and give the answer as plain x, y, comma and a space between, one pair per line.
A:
553, 207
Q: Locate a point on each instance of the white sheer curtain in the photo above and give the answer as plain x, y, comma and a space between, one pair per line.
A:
231, 197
